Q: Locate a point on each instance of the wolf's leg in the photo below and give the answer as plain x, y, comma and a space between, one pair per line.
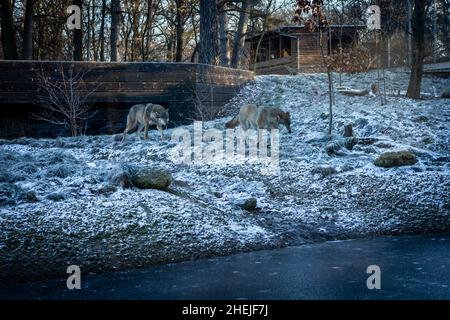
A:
146, 130
244, 125
139, 130
131, 123
160, 129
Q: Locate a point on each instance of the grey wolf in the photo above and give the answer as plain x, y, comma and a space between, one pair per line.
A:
145, 115
253, 117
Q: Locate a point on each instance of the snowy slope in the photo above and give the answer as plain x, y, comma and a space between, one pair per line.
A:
61, 204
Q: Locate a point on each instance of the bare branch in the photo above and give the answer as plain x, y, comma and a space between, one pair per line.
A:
62, 100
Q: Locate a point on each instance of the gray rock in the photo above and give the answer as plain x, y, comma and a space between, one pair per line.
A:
105, 189
324, 171
29, 196
118, 137
249, 204
120, 178
218, 194
56, 196
150, 178
395, 159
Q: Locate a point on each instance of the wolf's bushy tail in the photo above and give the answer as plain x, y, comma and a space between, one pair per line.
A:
232, 123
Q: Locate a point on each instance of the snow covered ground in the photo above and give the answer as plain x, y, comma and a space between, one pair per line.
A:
63, 201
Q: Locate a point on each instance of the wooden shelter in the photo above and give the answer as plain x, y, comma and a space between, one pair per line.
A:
293, 48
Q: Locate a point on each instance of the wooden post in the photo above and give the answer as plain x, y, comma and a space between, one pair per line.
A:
389, 51
298, 53
348, 130
280, 53
270, 42
435, 33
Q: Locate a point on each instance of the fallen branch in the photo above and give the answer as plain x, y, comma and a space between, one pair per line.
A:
352, 92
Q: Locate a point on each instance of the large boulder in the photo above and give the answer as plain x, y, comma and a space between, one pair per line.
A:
395, 159
150, 178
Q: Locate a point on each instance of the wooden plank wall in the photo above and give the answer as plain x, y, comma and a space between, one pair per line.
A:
309, 57
117, 87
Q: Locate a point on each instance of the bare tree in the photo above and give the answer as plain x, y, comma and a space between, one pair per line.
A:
224, 41
418, 51
208, 51
239, 38
180, 20
102, 31
64, 99
116, 27
27, 45
8, 32
78, 37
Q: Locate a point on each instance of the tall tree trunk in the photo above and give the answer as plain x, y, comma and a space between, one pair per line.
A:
147, 32
179, 29
170, 47
208, 51
418, 52
78, 36
195, 27
224, 41
27, 45
116, 27
102, 31
239, 39
444, 25
89, 40
8, 35
136, 37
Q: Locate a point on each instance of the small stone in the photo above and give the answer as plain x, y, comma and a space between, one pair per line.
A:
56, 196
249, 204
30, 196
217, 194
324, 171
120, 178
